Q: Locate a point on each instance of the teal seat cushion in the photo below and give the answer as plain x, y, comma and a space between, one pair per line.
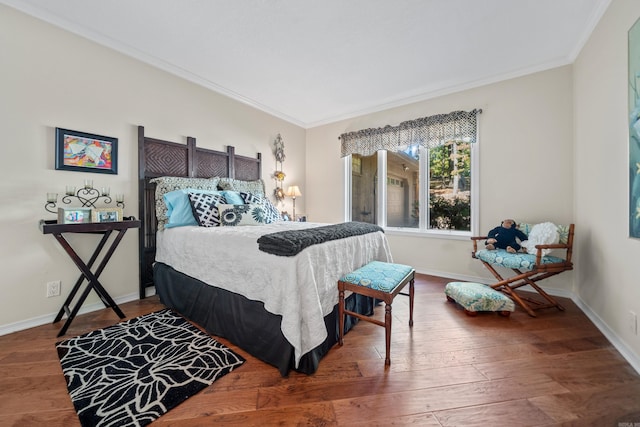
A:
378, 275
478, 297
519, 260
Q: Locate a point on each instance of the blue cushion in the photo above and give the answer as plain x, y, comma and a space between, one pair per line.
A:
232, 197
179, 209
519, 260
478, 297
381, 276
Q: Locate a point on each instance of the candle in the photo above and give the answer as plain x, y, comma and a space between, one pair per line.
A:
71, 190
88, 183
105, 191
119, 198
52, 197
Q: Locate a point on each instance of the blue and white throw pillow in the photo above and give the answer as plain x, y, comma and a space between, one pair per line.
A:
271, 212
205, 208
245, 214
179, 211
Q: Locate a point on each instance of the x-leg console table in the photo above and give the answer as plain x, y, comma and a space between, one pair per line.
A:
104, 228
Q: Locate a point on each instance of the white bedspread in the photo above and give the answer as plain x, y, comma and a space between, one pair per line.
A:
302, 289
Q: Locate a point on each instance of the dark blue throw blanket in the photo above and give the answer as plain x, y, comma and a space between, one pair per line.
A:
292, 242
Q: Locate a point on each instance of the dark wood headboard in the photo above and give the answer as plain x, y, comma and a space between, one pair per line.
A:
164, 158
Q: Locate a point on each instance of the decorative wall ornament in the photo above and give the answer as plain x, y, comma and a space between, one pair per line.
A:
279, 175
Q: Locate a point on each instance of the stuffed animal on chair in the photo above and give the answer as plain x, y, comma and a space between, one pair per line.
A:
505, 237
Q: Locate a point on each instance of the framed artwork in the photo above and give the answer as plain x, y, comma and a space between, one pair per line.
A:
106, 214
634, 130
86, 152
74, 215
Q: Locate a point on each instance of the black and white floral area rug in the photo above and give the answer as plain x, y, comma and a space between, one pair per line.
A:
131, 373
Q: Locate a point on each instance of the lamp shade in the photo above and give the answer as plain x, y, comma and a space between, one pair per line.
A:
294, 191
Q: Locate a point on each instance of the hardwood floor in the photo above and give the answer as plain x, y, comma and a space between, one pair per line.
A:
448, 370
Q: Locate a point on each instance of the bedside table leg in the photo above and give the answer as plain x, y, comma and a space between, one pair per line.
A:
93, 282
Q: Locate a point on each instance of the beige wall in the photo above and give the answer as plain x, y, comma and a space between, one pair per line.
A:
608, 276
526, 165
52, 78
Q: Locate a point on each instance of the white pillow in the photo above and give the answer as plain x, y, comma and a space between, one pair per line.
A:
247, 214
541, 234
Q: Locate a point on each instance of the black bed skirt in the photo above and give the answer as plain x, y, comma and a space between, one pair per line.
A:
246, 323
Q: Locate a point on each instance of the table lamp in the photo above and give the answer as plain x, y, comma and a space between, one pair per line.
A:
293, 192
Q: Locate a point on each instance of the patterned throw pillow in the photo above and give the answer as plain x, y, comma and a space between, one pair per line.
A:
271, 212
205, 208
247, 214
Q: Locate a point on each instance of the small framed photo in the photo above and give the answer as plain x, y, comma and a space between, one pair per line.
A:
106, 214
86, 152
74, 215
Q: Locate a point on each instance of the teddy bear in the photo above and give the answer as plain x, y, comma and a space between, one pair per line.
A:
504, 237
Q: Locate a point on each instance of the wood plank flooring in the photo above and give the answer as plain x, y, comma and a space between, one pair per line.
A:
448, 370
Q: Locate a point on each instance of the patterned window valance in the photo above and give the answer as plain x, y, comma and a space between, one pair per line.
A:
429, 132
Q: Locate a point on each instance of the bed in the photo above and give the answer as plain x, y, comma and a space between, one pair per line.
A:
280, 309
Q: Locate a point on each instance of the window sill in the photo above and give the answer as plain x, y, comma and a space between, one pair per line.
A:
436, 234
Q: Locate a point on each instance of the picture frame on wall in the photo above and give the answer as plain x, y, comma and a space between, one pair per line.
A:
106, 214
86, 152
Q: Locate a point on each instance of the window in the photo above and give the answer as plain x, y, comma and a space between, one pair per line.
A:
446, 174
428, 188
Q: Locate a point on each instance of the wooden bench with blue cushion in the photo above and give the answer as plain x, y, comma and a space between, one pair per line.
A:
474, 297
529, 268
382, 281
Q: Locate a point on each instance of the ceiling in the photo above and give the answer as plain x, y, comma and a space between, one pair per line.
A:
313, 62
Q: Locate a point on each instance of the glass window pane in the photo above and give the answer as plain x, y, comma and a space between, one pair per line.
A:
364, 175
450, 187
403, 188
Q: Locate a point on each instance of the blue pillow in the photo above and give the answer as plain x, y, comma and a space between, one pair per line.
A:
232, 197
179, 209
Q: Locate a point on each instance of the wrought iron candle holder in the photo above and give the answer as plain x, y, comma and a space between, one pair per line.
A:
86, 195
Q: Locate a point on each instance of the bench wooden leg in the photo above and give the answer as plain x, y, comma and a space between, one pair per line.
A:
411, 294
341, 315
387, 333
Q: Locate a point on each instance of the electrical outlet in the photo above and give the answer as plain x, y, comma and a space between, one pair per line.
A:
632, 322
53, 289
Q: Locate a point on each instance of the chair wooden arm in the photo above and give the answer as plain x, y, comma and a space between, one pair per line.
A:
566, 246
553, 246
475, 239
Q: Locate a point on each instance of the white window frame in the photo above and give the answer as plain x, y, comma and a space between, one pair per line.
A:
424, 196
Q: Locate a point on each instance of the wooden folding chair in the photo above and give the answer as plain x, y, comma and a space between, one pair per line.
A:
529, 269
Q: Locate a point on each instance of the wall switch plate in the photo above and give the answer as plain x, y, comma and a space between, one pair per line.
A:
53, 289
632, 322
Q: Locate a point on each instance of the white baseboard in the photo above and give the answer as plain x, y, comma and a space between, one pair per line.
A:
627, 353
48, 318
